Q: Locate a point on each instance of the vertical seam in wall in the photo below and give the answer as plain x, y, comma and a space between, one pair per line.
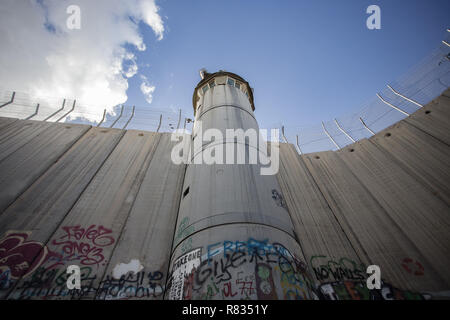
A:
415, 126
151, 153
45, 170
400, 230
423, 182
174, 232
297, 240
337, 220
68, 211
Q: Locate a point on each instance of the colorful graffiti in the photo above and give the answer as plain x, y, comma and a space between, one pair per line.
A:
19, 257
251, 269
241, 269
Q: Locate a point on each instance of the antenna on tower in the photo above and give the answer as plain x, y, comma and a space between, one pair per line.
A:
202, 73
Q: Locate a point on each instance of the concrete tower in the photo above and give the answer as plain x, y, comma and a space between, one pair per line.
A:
234, 237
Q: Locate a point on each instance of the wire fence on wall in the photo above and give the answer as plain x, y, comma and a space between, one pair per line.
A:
402, 97
21, 105
421, 84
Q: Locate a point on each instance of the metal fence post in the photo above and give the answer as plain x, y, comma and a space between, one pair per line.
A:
365, 126
34, 114
179, 120
120, 115
392, 106
404, 97
298, 146
348, 136
10, 101
132, 115
282, 134
103, 118
160, 121
57, 111
329, 136
73, 108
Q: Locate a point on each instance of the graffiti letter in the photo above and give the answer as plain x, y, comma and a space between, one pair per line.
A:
73, 281
374, 280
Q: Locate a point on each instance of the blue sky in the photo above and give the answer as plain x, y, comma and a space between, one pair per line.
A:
308, 61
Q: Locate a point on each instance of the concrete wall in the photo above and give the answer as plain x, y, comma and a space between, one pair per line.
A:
108, 200
383, 201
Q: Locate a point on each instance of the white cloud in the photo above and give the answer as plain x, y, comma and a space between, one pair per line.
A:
41, 56
147, 89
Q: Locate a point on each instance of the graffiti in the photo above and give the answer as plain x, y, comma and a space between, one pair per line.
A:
357, 290
133, 285
83, 244
46, 283
241, 269
50, 284
279, 200
186, 245
344, 269
413, 267
264, 282
184, 229
5, 279
182, 267
19, 256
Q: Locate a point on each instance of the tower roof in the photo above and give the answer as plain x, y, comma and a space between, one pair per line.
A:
208, 76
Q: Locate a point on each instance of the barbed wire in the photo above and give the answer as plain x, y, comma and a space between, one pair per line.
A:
421, 83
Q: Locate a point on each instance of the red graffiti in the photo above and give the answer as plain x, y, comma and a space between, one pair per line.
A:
227, 290
413, 267
84, 244
246, 287
19, 257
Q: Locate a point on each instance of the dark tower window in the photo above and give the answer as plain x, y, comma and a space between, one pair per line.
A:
230, 82
185, 193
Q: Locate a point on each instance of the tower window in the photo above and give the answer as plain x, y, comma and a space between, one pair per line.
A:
237, 85
212, 84
231, 82
205, 88
185, 193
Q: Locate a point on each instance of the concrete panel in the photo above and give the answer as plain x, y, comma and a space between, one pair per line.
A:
421, 216
422, 155
360, 215
89, 232
434, 118
148, 234
19, 133
321, 237
19, 169
38, 212
4, 122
